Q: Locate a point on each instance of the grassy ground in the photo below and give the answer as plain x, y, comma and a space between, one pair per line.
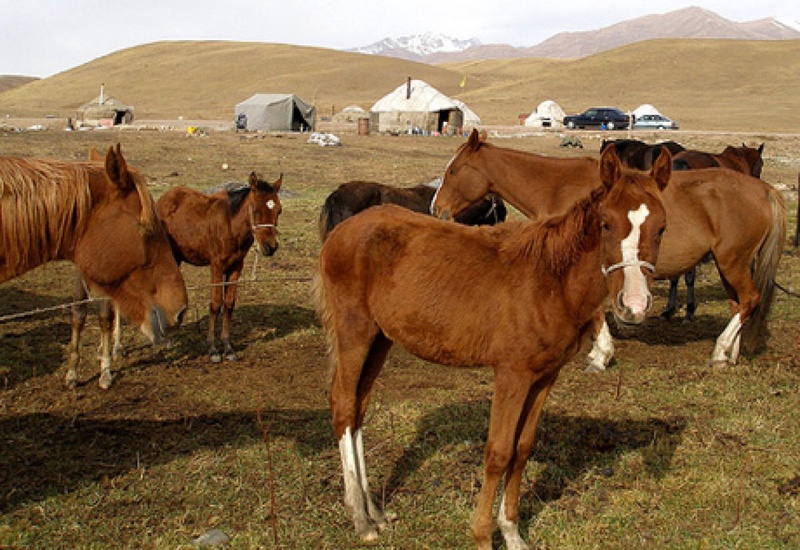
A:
660, 451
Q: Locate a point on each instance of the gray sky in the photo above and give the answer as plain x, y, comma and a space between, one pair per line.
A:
45, 37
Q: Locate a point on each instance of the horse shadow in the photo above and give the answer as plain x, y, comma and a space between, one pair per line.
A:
43, 453
251, 324
568, 446
32, 345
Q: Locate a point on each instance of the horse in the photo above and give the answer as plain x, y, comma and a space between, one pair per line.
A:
748, 160
217, 228
390, 275
738, 218
354, 196
639, 154
99, 216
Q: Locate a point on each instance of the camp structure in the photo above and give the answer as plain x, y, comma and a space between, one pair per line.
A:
275, 112
548, 114
104, 110
418, 108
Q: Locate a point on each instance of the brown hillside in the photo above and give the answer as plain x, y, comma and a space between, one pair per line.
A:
705, 84
206, 79
9, 82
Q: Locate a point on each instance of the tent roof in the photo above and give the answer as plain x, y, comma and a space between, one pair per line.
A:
424, 99
110, 103
645, 109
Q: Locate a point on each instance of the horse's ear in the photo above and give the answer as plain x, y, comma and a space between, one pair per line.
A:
95, 155
278, 182
253, 179
117, 169
662, 168
474, 140
610, 168
761, 149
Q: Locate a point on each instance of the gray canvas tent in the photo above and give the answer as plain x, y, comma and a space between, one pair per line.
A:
104, 109
276, 112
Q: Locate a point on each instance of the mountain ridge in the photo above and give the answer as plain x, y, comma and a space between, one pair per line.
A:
691, 22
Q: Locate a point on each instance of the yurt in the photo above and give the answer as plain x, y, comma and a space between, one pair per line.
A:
416, 107
104, 110
548, 114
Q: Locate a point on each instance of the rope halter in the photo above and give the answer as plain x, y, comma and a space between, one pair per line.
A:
628, 263
254, 226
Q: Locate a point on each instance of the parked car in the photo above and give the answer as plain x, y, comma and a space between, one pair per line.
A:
607, 118
654, 122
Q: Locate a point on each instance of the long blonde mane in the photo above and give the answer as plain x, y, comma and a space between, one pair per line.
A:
44, 205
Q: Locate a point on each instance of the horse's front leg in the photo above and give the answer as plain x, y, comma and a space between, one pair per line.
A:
602, 344
106, 317
691, 305
672, 301
215, 303
232, 277
508, 513
79, 295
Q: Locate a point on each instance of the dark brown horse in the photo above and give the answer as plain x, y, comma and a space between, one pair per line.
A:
639, 154
738, 218
748, 160
354, 196
217, 228
100, 216
389, 275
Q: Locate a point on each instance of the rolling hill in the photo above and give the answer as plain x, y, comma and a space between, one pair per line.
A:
705, 84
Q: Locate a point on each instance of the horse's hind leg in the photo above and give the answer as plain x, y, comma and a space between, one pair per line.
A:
672, 301
691, 305
358, 364
744, 298
79, 295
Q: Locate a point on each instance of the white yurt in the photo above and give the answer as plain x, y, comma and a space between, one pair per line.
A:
548, 114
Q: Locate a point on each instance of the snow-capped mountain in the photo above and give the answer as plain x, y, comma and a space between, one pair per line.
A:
791, 23
417, 45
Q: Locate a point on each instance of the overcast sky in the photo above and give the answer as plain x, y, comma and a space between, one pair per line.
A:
45, 37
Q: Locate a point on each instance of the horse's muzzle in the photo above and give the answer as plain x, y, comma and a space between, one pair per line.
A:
632, 312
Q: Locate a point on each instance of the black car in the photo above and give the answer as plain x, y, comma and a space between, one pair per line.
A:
607, 118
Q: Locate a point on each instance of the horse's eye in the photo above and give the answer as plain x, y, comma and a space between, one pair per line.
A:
604, 225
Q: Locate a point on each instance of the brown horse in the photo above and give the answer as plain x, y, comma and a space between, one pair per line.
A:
217, 228
354, 196
101, 217
389, 275
748, 160
738, 218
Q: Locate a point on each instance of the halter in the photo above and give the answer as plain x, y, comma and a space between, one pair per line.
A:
630, 263
254, 226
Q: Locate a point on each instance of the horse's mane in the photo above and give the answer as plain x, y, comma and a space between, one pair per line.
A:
45, 205
237, 192
560, 240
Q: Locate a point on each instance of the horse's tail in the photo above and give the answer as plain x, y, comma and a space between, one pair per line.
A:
326, 319
754, 333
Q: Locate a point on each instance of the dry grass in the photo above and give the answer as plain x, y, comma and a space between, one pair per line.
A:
704, 84
660, 451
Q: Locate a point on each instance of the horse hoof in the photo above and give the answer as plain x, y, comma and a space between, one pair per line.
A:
105, 381
216, 358
231, 357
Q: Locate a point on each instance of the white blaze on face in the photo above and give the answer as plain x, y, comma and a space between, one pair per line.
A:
271, 204
634, 291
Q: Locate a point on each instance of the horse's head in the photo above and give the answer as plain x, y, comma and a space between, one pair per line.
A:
754, 158
633, 220
124, 252
265, 207
464, 182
